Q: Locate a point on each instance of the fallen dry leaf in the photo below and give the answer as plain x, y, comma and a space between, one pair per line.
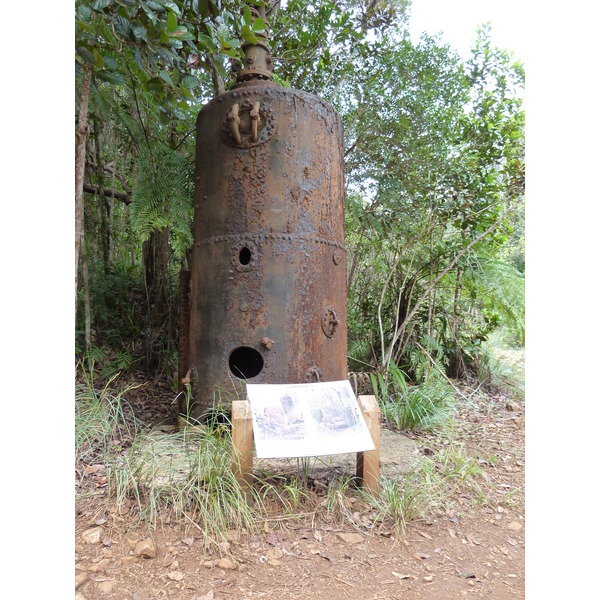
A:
351, 538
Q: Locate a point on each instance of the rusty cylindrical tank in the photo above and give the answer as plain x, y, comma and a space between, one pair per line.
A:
268, 280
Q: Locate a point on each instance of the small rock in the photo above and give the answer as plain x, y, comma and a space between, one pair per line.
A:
80, 579
274, 562
100, 566
428, 578
512, 406
515, 526
129, 560
79, 596
175, 575
351, 538
145, 549
78, 548
107, 587
131, 540
226, 563
92, 536
274, 553
141, 596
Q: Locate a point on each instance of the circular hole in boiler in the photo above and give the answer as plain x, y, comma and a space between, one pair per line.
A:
245, 362
245, 256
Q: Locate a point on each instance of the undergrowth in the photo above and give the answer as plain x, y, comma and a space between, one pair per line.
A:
189, 474
414, 407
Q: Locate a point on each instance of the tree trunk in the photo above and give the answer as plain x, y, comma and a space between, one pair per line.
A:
86, 294
80, 144
457, 365
102, 202
155, 256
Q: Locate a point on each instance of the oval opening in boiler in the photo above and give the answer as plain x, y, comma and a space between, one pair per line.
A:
245, 256
245, 362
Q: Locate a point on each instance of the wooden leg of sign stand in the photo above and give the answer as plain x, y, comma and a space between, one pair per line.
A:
241, 439
367, 463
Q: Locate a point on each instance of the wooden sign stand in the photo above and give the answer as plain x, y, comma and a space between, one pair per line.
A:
367, 463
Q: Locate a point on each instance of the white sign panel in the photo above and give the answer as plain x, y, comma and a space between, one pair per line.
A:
307, 419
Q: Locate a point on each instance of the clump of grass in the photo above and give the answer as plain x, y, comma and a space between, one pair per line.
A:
100, 420
337, 503
190, 474
397, 502
424, 406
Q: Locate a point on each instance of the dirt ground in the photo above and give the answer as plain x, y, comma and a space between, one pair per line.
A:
473, 548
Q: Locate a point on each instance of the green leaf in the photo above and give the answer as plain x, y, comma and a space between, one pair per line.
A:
113, 77
110, 62
183, 34
203, 8
86, 55
122, 27
207, 42
258, 26
84, 13
138, 59
247, 17
139, 31
100, 4
189, 82
171, 6
248, 35
171, 22
166, 77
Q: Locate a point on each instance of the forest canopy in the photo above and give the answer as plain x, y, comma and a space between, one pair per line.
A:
434, 159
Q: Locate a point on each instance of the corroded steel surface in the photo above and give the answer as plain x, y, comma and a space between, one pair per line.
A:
268, 283
184, 325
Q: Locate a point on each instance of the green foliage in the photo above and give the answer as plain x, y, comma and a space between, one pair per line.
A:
423, 406
166, 43
163, 197
501, 363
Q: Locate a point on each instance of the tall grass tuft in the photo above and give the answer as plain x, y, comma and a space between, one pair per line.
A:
100, 419
424, 406
398, 501
189, 474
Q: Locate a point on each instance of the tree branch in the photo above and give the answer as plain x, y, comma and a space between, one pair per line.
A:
92, 189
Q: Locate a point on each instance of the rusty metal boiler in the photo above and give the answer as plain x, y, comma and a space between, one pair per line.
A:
267, 295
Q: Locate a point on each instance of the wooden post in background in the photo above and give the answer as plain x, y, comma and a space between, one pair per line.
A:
242, 441
367, 463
